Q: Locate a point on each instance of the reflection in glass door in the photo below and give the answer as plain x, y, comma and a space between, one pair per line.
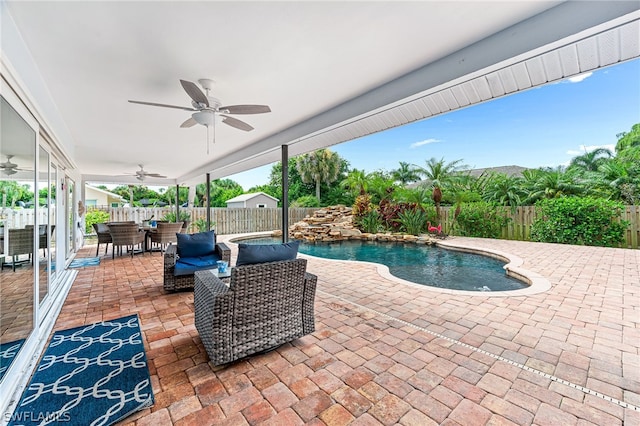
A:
51, 235
44, 229
69, 231
18, 202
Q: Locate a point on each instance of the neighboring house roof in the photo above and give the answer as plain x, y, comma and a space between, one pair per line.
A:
507, 170
245, 197
107, 193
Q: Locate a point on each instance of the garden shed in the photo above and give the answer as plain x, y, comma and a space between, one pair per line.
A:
253, 200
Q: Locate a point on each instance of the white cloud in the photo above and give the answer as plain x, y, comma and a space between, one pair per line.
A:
578, 78
588, 148
424, 142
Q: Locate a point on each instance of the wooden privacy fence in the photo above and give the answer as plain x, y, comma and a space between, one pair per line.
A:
519, 227
236, 221
226, 221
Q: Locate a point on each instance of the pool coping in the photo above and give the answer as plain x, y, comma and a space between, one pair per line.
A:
513, 268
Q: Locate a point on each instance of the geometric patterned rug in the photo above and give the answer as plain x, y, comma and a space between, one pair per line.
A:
95, 374
8, 352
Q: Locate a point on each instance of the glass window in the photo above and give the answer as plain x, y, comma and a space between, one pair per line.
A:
17, 219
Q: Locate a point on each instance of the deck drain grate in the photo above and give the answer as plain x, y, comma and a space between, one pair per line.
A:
492, 355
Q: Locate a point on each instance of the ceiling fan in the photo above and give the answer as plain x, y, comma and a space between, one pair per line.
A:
206, 108
142, 174
9, 168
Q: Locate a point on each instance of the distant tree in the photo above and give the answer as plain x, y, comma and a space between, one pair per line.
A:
321, 166
628, 146
405, 174
590, 161
439, 173
12, 192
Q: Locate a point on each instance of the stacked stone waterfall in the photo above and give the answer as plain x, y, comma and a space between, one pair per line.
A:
335, 223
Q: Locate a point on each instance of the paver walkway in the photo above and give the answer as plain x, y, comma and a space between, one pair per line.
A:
389, 353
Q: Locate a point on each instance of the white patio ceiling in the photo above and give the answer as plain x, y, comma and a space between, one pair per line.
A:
331, 71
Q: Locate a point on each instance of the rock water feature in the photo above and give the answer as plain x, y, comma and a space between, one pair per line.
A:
335, 223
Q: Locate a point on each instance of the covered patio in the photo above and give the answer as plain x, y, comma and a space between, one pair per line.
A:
385, 352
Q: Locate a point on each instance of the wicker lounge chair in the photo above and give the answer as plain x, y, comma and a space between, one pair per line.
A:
173, 282
165, 234
104, 236
264, 306
125, 234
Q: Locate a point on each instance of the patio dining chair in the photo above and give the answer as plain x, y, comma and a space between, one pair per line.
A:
126, 234
20, 242
165, 234
104, 236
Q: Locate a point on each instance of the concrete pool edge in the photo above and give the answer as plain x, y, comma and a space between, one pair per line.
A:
536, 282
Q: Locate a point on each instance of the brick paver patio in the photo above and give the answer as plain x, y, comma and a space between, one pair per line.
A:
385, 352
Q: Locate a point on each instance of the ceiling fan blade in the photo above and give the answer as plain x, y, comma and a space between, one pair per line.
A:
194, 92
245, 109
190, 122
163, 105
234, 122
156, 175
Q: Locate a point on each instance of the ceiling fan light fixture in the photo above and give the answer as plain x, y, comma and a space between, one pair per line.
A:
205, 118
9, 172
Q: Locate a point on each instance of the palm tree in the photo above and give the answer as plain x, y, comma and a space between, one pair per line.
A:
405, 174
590, 161
504, 190
550, 183
321, 166
438, 173
356, 182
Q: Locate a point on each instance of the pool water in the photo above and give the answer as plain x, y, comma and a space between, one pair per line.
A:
427, 265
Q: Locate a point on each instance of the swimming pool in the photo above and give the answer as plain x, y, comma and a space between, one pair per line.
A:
427, 265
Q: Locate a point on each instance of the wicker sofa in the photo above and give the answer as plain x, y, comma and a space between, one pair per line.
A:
173, 282
264, 306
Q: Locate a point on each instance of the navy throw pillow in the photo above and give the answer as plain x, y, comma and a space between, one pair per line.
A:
260, 253
194, 245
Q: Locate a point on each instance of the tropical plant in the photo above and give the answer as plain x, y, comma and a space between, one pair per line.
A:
412, 221
171, 216
550, 183
504, 190
321, 166
362, 206
370, 222
201, 225
390, 213
582, 221
356, 182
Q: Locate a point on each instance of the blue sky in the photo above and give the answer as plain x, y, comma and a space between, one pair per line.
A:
544, 126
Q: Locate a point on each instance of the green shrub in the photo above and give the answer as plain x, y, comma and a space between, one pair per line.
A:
483, 220
201, 225
94, 216
582, 221
306, 201
412, 221
390, 213
370, 222
171, 217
